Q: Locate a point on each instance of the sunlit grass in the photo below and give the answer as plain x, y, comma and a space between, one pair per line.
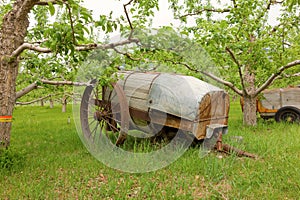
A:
48, 161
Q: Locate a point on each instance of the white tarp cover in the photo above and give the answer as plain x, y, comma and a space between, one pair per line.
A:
178, 95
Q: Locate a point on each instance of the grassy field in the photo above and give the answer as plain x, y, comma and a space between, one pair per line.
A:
48, 161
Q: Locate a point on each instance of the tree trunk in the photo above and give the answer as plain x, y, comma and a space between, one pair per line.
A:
8, 74
249, 108
51, 103
64, 104
12, 33
249, 117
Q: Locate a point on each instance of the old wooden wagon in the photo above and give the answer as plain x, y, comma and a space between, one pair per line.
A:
283, 104
153, 101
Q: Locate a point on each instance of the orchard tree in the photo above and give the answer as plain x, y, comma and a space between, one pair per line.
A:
63, 29
249, 52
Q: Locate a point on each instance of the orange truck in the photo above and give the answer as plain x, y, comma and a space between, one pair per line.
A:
283, 104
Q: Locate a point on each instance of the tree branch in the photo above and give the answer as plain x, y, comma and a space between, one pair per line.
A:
126, 13
264, 11
233, 56
206, 10
44, 81
30, 46
33, 101
226, 83
267, 8
239, 67
269, 5
292, 75
275, 28
34, 85
288, 76
234, 3
212, 76
86, 47
71, 23
128, 55
46, 3
45, 97
26, 90
274, 76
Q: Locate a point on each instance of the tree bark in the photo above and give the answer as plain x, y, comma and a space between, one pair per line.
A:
249, 92
12, 33
64, 104
51, 103
26, 90
249, 114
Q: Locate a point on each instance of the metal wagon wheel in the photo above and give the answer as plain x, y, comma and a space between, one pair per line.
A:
288, 114
104, 110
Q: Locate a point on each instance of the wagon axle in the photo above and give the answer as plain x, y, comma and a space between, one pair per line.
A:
99, 115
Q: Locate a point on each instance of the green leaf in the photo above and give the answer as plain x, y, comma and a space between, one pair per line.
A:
51, 8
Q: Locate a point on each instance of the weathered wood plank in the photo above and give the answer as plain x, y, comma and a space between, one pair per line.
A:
276, 98
136, 93
291, 98
271, 100
171, 120
213, 109
139, 104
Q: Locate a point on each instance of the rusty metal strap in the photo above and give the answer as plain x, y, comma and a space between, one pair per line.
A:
209, 119
125, 80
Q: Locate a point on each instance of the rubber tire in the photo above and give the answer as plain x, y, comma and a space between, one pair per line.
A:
291, 111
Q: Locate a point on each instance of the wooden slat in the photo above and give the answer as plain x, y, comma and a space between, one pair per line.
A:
213, 109
144, 77
291, 98
162, 118
271, 100
274, 99
139, 104
138, 85
136, 93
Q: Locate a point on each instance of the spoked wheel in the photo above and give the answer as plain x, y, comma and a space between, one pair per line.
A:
104, 110
288, 114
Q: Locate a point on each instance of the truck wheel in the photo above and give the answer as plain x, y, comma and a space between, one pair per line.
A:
288, 114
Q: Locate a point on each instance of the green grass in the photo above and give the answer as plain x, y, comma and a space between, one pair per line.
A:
47, 160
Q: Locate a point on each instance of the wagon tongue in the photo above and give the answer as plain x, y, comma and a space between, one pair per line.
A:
216, 129
213, 139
